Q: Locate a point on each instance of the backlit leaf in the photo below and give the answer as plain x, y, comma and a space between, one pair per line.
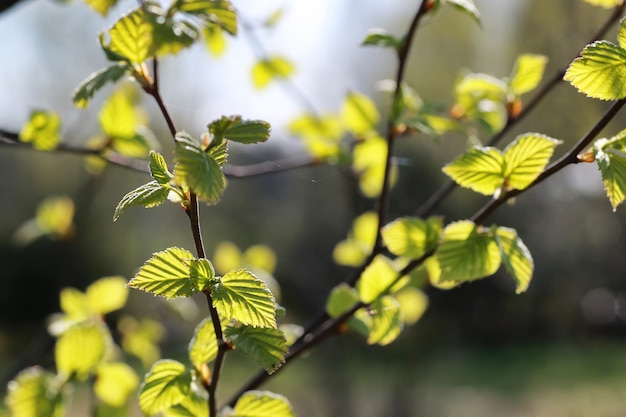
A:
171, 273
527, 73
607, 4
267, 347
34, 393
158, 168
466, 6
516, 257
199, 171
369, 160
359, 113
242, 296
107, 294
140, 338
481, 169
166, 384
600, 71
214, 39
81, 348
413, 304
341, 299
86, 90
169, 36
203, 345
262, 404
379, 37
74, 304
612, 165
387, 321
248, 131
115, 383
227, 257
321, 135
43, 130
193, 405
271, 68
260, 256
131, 37
526, 157
118, 116
218, 12
148, 195
411, 237
466, 253
101, 6
377, 279
360, 242
55, 216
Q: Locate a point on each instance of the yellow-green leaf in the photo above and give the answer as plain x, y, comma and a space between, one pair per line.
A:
267, 347
527, 73
369, 160
86, 90
260, 256
214, 39
74, 304
352, 251
271, 68
115, 383
341, 299
193, 405
131, 37
158, 168
359, 113
217, 12
321, 135
34, 393
140, 338
262, 404
242, 296
516, 257
107, 294
166, 384
612, 165
386, 322
481, 169
526, 157
413, 304
102, 6
466, 253
411, 237
203, 344
118, 116
43, 130
607, 4
600, 71
148, 195
377, 279
81, 348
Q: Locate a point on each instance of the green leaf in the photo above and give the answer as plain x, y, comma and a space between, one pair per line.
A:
219, 12
131, 37
148, 195
413, 304
166, 384
101, 6
34, 393
526, 157
267, 347
242, 296
203, 345
468, 7
466, 253
43, 130
214, 39
262, 404
600, 71
527, 73
271, 68
107, 295
481, 169
359, 113
193, 405
169, 36
376, 280
115, 383
516, 257
379, 37
118, 116
86, 90
386, 322
411, 237
172, 273
81, 348
341, 299
621, 34
248, 131
158, 168
199, 171
607, 4
612, 165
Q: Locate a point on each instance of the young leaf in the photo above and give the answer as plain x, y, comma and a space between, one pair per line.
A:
411, 237
203, 345
43, 130
466, 254
107, 295
148, 195
515, 257
214, 39
172, 273
101, 6
607, 4
321, 135
481, 169
267, 347
600, 71
379, 37
81, 348
248, 131
193, 405
527, 73
262, 404
369, 162
118, 116
217, 12
359, 113
115, 383
468, 7
131, 37
526, 157
86, 90
387, 321
158, 168
612, 165
74, 304
242, 296
413, 304
341, 299
199, 171
169, 36
352, 251
33, 394
376, 279
266, 70
166, 384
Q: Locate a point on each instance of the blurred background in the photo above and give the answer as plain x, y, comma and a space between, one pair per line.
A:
480, 350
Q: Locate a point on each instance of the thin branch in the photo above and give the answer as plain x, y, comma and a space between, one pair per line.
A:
270, 167
429, 206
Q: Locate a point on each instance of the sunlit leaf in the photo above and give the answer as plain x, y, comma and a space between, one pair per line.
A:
466, 6
107, 294
526, 157
34, 393
86, 90
43, 130
321, 135
466, 253
600, 71
607, 4
411, 237
260, 256
169, 36
158, 168
81, 348
131, 37
341, 299
193, 405
262, 404
273, 19
387, 321
118, 116
173, 272
516, 257
267, 347
199, 171
481, 169
379, 37
369, 161
242, 296
203, 345
74, 304
115, 383
148, 195
214, 39
376, 280
360, 242
227, 257
218, 12
242, 131
612, 165
413, 304
359, 113
527, 73
166, 384
102, 6
140, 338
271, 68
